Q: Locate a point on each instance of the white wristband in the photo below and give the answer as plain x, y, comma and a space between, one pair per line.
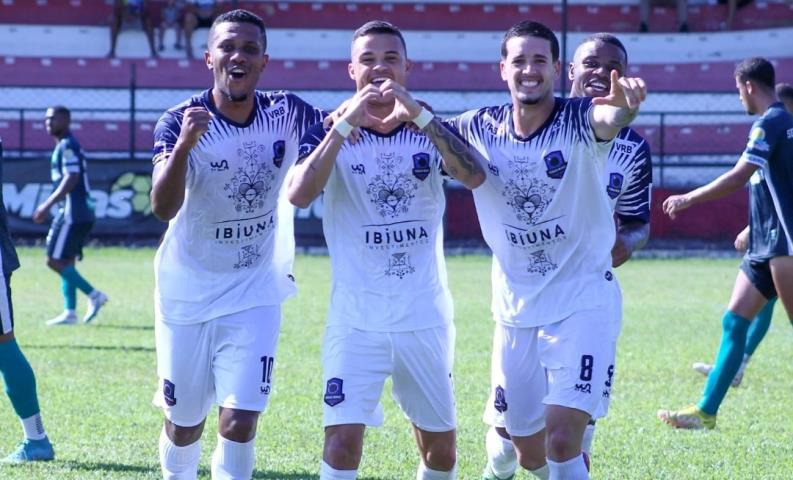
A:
423, 118
342, 127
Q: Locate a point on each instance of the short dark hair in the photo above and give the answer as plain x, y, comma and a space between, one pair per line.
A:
607, 38
784, 90
379, 27
756, 69
528, 28
61, 110
241, 16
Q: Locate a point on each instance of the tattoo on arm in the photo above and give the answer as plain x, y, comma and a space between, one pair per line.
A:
458, 157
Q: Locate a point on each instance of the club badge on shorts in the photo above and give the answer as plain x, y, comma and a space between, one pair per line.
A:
334, 391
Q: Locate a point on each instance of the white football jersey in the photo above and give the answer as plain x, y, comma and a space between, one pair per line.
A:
544, 213
231, 245
383, 213
628, 176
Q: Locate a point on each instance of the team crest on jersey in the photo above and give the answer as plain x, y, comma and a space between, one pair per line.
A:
391, 191
251, 183
334, 391
757, 140
526, 192
421, 165
555, 165
540, 262
399, 265
615, 184
500, 402
169, 392
279, 150
247, 257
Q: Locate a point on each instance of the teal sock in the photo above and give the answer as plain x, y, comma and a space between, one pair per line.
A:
69, 294
728, 360
19, 379
71, 275
759, 327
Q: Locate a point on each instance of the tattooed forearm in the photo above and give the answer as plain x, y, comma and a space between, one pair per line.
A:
460, 160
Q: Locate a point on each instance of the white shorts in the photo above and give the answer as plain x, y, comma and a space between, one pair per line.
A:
227, 361
356, 364
568, 363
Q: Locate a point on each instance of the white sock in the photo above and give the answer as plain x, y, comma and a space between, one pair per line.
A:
70, 311
233, 460
179, 463
326, 472
34, 429
589, 435
425, 473
573, 469
541, 473
500, 454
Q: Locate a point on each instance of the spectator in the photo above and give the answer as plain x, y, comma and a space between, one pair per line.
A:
682, 12
127, 13
198, 14
785, 93
172, 17
732, 6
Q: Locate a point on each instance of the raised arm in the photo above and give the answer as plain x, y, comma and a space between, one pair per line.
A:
312, 170
617, 110
460, 160
169, 178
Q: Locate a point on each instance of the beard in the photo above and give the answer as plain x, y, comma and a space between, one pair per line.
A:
239, 97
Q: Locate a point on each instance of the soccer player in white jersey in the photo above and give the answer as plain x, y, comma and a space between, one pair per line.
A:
390, 311
627, 183
223, 268
547, 218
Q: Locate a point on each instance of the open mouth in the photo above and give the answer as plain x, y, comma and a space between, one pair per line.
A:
237, 73
378, 80
598, 86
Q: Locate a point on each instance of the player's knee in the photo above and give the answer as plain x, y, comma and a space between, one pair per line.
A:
238, 426
183, 436
531, 460
343, 448
441, 456
560, 443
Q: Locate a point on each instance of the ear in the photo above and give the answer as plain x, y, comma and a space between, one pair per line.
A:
208, 59
351, 71
502, 68
266, 60
749, 87
557, 69
408, 66
571, 72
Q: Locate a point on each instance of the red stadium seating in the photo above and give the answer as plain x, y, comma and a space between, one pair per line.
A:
332, 75
434, 16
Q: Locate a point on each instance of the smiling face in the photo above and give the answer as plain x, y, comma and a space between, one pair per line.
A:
591, 68
529, 69
236, 57
378, 57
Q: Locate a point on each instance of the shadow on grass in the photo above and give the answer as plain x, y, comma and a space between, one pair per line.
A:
120, 348
109, 467
122, 327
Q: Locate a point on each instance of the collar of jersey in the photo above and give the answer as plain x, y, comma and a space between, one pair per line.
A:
557, 103
393, 132
210, 102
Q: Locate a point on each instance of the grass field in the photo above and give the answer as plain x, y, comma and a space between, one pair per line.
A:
96, 382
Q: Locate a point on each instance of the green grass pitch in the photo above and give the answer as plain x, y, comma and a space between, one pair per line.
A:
96, 382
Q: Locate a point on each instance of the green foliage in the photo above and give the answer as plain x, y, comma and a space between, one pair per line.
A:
96, 381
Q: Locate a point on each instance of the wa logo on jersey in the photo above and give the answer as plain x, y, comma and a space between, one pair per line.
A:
219, 166
399, 265
527, 193
390, 190
251, 183
615, 184
540, 262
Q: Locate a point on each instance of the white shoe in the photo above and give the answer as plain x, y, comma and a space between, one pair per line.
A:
705, 368
95, 302
65, 318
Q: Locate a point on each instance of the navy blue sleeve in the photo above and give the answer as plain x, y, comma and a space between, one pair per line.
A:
305, 115
634, 203
311, 140
166, 132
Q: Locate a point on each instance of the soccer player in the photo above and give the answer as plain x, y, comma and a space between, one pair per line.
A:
759, 326
628, 184
224, 266
74, 219
19, 378
390, 312
545, 214
767, 268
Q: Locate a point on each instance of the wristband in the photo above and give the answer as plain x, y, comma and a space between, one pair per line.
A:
423, 118
342, 127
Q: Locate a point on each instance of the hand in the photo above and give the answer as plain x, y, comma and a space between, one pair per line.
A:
621, 252
626, 92
357, 112
328, 122
41, 213
194, 123
742, 240
405, 107
675, 204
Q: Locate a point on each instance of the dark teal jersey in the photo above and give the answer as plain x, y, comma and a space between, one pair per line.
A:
767, 238
770, 147
9, 254
68, 158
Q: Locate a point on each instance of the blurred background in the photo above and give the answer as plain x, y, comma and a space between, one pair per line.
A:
61, 52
